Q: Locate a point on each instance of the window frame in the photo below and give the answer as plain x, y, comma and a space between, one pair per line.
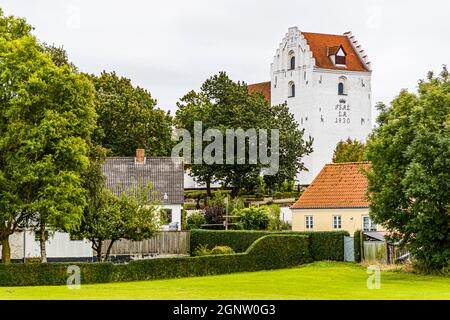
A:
291, 90
292, 63
309, 222
337, 222
371, 226
341, 88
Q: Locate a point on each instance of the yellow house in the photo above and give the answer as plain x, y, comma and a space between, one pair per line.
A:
335, 200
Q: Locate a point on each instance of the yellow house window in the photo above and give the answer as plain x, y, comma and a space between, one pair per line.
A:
337, 222
309, 222
368, 225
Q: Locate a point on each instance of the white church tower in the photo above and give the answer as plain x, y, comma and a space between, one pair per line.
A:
326, 82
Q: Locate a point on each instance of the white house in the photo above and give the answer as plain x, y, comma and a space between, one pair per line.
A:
122, 173
325, 80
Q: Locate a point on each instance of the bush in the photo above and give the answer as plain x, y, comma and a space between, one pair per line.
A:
275, 222
222, 250
268, 252
358, 247
214, 214
202, 250
326, 245
254, 218
195, 221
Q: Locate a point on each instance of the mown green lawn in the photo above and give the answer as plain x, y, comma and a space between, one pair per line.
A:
321, 280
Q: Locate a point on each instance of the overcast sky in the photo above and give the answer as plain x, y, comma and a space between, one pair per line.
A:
171, 47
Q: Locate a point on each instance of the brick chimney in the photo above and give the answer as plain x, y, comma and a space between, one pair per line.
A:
140, 156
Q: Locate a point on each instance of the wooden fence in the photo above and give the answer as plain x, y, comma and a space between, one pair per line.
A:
380, 251
164, 242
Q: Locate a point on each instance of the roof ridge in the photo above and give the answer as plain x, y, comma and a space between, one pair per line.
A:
326, 34
348, 163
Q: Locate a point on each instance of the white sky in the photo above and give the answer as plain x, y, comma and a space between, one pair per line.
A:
170, 47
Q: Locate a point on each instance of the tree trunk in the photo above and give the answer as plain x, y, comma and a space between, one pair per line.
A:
109, 250
98, 249
208, 187
42, 240
6, 251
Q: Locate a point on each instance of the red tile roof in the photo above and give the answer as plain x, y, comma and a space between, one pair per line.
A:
319, 44
338, 185
263, 87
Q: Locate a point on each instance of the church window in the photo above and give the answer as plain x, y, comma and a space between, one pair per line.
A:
292, 63
342, 90
291, 90
291, 60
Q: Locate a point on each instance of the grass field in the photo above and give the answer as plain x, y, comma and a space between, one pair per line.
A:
321, 280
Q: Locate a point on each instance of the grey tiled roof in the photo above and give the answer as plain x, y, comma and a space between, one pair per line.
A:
166, 175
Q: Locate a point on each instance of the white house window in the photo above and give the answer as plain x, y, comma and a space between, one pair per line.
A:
337, 222
165, 216
309, 223
291, 90
368, 225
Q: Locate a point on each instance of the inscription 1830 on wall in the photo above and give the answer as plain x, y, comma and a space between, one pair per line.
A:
342, 110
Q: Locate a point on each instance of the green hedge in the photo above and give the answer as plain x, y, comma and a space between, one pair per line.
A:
33, 274
268, 252
357, 245
326, 245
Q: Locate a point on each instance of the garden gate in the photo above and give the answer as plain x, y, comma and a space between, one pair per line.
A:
349, 252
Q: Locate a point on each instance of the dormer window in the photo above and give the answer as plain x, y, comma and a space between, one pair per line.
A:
340, 59
337, 55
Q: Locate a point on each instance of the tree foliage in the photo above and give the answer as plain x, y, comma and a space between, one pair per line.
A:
128, 118
47, 117
349, 151
410, 176
254, 218
223, 104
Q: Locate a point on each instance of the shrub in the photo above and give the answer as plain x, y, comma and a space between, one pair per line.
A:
357, 244
326, 245
214, 214
268, 252
222, 250
254, 218
195, 221
275, 222
202, 250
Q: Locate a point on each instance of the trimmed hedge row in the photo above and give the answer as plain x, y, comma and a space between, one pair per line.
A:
268, 252
324, 245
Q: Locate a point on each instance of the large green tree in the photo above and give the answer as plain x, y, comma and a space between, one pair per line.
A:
128, 118
349, 151
410, 176
47, 116
223, 104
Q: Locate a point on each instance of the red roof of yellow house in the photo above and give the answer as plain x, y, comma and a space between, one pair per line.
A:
262, 87
320, 45
338, 185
